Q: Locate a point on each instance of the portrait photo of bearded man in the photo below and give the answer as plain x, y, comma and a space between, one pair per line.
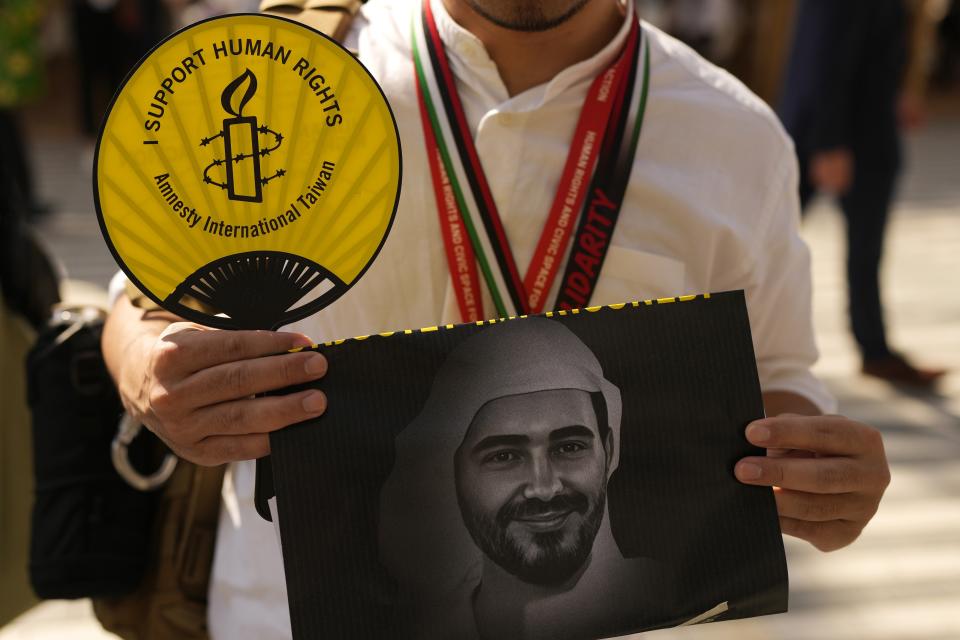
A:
511, 456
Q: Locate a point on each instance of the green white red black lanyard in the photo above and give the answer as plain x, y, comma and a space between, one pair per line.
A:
600, 159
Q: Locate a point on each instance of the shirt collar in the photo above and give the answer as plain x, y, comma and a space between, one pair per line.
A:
472, 64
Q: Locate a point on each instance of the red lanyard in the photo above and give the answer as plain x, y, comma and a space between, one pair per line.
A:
460, 257
472, 230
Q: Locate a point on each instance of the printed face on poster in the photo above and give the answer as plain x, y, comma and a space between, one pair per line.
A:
564, 477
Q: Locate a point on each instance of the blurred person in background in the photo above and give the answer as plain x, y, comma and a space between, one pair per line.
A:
924, 19
748, 38
28, 287
843, 101
110, 37
16, 470
712, 27
188, 12
947, 71
20, 82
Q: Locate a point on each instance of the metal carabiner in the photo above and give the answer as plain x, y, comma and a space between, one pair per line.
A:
126, 432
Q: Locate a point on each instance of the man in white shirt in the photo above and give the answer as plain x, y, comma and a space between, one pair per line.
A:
711, 205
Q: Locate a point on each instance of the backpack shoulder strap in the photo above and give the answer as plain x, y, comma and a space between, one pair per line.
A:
330, 17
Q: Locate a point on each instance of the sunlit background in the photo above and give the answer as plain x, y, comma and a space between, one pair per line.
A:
901, 580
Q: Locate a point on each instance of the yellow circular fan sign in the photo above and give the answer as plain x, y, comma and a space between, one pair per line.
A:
248, 172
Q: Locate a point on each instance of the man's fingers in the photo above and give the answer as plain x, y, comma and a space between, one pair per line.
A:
813, 507
181, 353
825, 536
217, 450
260, 415
829, 474
827, 435
236, 380
812, 475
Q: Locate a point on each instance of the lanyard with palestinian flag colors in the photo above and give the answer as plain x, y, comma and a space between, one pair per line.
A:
588, 199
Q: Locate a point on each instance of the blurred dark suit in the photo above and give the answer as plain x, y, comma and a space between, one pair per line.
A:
841, 91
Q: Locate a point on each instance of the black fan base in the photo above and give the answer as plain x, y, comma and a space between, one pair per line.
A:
254, 290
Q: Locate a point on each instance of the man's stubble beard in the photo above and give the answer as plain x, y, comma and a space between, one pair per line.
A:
527, 15
554, 561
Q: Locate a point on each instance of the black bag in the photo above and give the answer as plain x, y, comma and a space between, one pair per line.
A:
90, 529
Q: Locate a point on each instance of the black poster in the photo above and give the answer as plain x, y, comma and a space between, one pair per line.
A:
561, 477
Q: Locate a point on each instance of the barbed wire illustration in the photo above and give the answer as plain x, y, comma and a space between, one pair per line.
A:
278, 140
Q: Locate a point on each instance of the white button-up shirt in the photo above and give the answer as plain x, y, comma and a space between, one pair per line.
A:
711, 206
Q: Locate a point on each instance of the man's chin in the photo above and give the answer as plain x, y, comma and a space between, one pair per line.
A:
549, 559
524, 21
538, 541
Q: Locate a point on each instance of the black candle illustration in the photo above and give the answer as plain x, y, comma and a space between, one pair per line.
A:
241, 142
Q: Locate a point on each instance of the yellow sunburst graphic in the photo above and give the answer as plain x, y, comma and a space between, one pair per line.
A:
251, 164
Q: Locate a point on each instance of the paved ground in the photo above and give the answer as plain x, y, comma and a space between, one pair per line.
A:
901, 580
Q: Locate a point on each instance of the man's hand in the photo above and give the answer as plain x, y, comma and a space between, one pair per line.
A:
828, 474
194, 387
832, 171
